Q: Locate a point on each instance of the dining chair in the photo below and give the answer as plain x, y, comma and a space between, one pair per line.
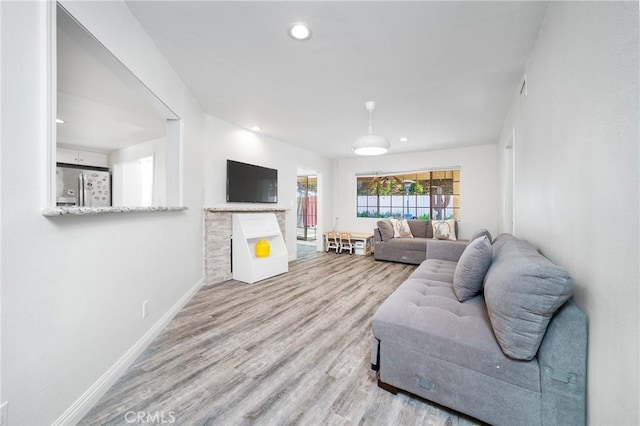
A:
345, 242
332, 241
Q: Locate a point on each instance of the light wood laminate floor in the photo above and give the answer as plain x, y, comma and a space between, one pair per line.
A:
292, 349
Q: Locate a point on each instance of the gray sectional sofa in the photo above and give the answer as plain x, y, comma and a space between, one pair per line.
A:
405, 250
512, 354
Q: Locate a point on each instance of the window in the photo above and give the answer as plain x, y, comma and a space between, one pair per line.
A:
433, 194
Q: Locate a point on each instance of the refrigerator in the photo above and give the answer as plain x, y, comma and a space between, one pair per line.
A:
82, 187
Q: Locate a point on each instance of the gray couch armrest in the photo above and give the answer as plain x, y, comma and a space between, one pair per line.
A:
445, 249
377, 236
562, 358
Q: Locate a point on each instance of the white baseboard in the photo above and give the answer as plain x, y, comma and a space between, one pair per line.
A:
87, 400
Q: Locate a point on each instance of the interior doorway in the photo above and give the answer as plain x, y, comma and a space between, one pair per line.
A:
307, 208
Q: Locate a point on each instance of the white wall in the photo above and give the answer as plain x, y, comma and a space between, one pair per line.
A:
2, 399
155, 148
478, 185
73, 287
577, 183
225, 141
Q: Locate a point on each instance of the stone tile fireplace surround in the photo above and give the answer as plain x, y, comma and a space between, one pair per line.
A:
218, 223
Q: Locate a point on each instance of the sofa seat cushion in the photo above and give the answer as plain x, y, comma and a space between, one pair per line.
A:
436, 270
425, 316
412, 244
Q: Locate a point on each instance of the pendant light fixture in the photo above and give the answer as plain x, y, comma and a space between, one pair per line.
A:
370, 144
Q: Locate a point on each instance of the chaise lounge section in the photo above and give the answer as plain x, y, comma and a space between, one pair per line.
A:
513, 354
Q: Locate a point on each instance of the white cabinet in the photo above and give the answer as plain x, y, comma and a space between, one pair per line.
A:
66, 155
248, 229
84, 158
89, 158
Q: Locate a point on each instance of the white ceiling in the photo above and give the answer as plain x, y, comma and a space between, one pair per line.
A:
441, 73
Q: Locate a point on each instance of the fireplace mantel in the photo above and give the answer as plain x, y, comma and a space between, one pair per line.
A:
218, 224
244, 209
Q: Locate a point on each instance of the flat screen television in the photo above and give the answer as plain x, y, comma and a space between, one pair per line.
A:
248, 183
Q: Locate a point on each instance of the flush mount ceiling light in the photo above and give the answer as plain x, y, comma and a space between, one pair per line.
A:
370, 144
299, 31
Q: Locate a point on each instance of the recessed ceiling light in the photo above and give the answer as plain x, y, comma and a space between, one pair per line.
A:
59, 121
404, 139
256, 128
299, 31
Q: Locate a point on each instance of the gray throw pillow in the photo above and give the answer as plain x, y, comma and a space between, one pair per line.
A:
480, 233
471, 268
523, 290
386, 230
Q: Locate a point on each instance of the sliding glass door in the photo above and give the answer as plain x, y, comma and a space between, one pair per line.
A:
307, 212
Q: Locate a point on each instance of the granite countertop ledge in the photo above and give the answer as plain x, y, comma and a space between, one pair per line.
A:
245, 209
84, 211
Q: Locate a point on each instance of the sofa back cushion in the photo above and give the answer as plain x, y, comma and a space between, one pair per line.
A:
429, 226
386, 230
479, 233
418, 227
522, 290
500, 241
471, 268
